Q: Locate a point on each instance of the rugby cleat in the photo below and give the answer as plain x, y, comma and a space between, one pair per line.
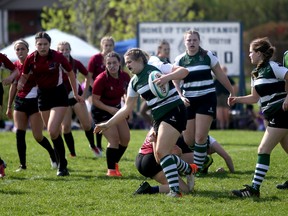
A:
248, 191
282, 186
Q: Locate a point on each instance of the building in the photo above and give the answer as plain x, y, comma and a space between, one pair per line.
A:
20, 18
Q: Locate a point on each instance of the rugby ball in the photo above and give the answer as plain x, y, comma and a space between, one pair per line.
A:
158, 91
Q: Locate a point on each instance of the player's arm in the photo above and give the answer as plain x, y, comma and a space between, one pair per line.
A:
248, 99
123, 113
221, 152
99, 104
11, 96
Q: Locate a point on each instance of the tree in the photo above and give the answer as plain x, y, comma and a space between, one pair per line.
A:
250, 12
93, 19
85, 18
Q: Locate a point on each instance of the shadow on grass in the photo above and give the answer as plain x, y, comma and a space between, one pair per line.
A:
228, 195
226, 174
235, 175
12, 192
79, 176
236, 144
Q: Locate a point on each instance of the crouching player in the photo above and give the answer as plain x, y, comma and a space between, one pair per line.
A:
148, 166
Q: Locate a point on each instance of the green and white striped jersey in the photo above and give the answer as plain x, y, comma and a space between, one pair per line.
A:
270, 86
199, 81
159, 107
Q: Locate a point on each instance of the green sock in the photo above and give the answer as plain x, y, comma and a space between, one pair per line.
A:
261, 169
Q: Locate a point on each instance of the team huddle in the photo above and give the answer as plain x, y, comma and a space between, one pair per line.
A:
180, 96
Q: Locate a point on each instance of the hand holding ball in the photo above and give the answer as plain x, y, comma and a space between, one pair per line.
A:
159, 91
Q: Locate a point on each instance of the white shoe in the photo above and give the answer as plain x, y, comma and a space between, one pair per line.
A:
96, 151
191, 177
54, 165
20, 169
190, 182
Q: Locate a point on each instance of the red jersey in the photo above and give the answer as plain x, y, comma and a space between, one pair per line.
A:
46, 69
77, 66
6, 62
110, 89
30, 89
96, 65
147, 147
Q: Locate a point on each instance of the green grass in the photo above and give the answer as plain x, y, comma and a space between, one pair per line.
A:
87, 191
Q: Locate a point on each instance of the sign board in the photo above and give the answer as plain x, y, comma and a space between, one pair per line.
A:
222, 38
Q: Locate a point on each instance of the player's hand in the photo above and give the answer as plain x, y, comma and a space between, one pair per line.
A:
20, 86
231, 101
220, 170
161, 81
99, 128
9, 112
152, 137
7, 81
79, 98
185, 101
285, 104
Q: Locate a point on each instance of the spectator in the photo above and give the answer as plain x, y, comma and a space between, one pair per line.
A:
222, 108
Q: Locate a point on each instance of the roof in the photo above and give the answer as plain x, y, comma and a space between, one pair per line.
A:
28, 5
80, 49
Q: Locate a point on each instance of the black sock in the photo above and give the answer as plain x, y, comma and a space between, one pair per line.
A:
68, 137
121, 151
154, 189
99, 140
111, 155
21, 147
46, 144
60, 151
1, 161
90, 136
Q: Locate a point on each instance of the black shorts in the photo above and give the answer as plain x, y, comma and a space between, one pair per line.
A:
89, 92
52, 97
26, 105
147, 165
1, 93
279, 119
72, 101
176, 118
222, 100
100, 115
205, 105
182, 145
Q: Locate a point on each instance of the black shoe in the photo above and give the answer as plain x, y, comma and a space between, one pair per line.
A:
248, 191
282, 186
63, 172
144, 188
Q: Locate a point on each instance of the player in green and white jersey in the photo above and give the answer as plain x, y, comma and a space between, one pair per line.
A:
198, 93
169, 115
268, 86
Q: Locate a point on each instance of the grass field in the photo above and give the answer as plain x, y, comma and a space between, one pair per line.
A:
87, 191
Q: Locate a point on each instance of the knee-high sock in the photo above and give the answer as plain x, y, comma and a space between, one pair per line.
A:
90, 137
46, 144
99, 140
21, 146
182, 166
111, 156
170, 170
261, 169
121, 151
60, 151
200, 153
68, 137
